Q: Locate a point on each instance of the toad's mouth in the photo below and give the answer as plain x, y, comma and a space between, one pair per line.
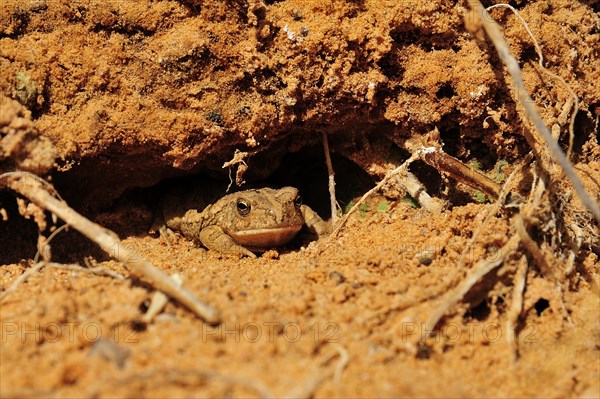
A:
265, 238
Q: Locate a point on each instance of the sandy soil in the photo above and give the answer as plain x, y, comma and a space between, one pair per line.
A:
132, 93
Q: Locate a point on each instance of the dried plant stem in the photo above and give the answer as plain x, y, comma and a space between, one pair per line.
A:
387, 177
99, 271
480, 269
532, 248
523, 97
491, 210
109, 242
307, 389
443, 162
22, 278
415, 189
516, 307
538, 50
330, 172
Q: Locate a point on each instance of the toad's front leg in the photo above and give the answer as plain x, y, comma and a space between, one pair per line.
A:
214, 237
314, 222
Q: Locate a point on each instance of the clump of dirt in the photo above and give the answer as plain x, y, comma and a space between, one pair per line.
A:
111, 98
22, 146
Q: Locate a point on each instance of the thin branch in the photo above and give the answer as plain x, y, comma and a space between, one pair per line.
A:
387, 177
516, 308
22, 278
44, 247
538, 50
109, 242
495, 35
308, 387
330, 172
480, 269
98, 270
437, 158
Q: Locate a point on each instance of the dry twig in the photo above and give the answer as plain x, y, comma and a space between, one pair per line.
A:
307, 389
330, 172
527, 103
480, 269
98, 271
443, 162
387, 177
35, 191
22, 278
516, 307
538, 50
239, 160
416, 190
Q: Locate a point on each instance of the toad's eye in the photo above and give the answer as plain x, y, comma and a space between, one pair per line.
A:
298, 201
243, 207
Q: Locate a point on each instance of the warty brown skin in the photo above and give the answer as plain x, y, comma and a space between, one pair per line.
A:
243, 222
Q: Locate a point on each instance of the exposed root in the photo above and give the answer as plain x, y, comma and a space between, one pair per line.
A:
443, 162
23, 277
239, 160
35, 191
44, 245
546, 146
480, 269
415, 189
487, 213
516, 307
331, 174
538, 50
308, 388
521, 239
532, 248
98, 271
184, 378
578, 233
531, 212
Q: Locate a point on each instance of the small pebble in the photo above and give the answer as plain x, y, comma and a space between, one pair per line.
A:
337, 277
425, 261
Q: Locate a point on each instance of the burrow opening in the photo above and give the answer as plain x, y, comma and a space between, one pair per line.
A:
133, 212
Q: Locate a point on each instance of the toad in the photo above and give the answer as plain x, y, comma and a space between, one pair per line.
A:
243, 222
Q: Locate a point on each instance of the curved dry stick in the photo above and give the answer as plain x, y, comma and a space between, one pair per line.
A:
523, 97
23, 277
366, 195
480, 269
307, 389
109, 242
